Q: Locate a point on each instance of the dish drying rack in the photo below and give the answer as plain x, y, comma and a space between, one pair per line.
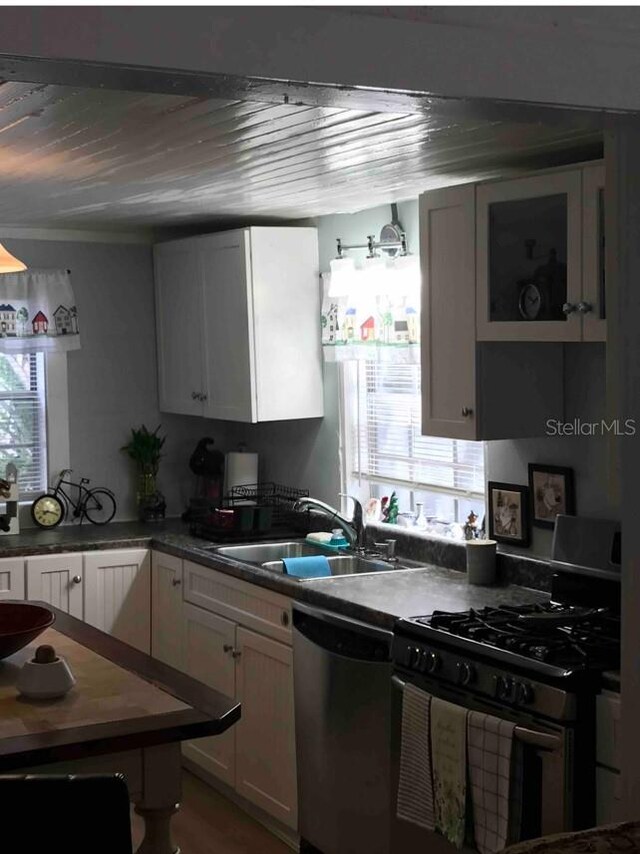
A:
256, 511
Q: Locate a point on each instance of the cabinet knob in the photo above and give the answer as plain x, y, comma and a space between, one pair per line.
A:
227, 647
194, 395
584, 307
176, 582
203, 397
76, 579
236, 653
466, 412
569, 308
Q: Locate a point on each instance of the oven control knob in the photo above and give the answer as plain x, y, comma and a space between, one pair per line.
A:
413, 657
524, 693
433, 662
504, 688
466, 673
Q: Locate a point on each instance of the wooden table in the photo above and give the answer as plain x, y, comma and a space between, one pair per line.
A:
127, 712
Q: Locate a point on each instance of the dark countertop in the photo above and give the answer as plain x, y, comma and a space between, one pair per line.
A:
84, 538
378, 598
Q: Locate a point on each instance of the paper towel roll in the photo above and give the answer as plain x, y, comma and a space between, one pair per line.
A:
240, 469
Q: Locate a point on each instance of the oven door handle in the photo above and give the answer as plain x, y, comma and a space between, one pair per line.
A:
532, 737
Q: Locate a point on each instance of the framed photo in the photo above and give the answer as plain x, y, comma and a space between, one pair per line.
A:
509, 513
552, 493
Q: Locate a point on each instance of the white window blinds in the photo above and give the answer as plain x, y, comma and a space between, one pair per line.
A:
23, 419
384, 441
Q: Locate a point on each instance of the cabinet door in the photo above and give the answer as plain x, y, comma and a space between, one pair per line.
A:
594, 321
57, 579
178, 284
166, 609
447, 255
265, 739
286, 306
117, 595
208, 655
12, 578
529, 258
227, 318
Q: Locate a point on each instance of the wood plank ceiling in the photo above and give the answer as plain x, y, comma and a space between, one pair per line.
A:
73, 157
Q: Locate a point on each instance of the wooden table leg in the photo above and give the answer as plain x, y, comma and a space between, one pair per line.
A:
161, 792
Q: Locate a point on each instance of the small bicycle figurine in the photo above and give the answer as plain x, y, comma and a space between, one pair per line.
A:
96, 505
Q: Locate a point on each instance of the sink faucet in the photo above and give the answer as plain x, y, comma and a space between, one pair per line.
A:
354, 529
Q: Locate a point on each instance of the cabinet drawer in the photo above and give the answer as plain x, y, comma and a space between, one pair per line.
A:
608, 730
247, 604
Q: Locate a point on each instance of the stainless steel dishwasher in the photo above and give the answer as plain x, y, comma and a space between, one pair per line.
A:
342, 686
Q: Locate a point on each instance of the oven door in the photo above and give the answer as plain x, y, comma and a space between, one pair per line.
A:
548, 770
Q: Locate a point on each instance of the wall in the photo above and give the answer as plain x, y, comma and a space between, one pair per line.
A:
113, 386
112, 378
505, 460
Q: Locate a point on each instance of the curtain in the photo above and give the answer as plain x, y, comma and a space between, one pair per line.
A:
371, 323
38, 312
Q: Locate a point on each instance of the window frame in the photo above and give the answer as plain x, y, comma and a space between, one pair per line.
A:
53, 425
349, 479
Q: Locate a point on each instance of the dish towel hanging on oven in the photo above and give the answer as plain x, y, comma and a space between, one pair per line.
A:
415, 787
495, 775
449, 763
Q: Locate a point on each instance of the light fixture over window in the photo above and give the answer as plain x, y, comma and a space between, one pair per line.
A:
9, 263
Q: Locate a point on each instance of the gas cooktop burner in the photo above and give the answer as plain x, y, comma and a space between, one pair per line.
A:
568, 636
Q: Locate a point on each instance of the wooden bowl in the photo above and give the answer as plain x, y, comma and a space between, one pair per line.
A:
20, 623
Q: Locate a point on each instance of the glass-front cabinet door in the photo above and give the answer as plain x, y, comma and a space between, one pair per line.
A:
529, 258
593, 305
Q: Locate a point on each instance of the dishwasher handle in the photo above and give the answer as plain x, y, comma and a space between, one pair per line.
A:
342, 636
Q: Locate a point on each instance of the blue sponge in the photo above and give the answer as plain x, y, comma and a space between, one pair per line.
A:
313, 566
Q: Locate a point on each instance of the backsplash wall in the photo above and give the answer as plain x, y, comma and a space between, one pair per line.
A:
505, 460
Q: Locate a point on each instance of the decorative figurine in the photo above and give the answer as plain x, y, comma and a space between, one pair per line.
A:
392, 510
9, 491
470, 529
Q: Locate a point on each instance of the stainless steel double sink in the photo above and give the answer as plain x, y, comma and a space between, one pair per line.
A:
270, 556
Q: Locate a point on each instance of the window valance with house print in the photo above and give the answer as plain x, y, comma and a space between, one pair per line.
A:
38, 312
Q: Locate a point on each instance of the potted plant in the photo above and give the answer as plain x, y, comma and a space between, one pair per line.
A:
145, 449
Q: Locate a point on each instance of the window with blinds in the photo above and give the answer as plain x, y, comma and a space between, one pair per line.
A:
23, 419
385, 450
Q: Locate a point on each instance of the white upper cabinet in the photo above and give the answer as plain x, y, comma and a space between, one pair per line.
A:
447, 235
540, 267
593, 306
246, 346
179, 327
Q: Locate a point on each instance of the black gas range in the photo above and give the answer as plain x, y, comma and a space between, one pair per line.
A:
510, 653
539, 666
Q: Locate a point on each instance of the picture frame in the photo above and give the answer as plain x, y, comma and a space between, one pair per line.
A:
552, 493
508, 512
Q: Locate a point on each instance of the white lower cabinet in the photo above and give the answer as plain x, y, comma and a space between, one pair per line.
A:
236, 638
110, 589
11, 578
265, 739
57, 579
166, 601
117, 594
208, 655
